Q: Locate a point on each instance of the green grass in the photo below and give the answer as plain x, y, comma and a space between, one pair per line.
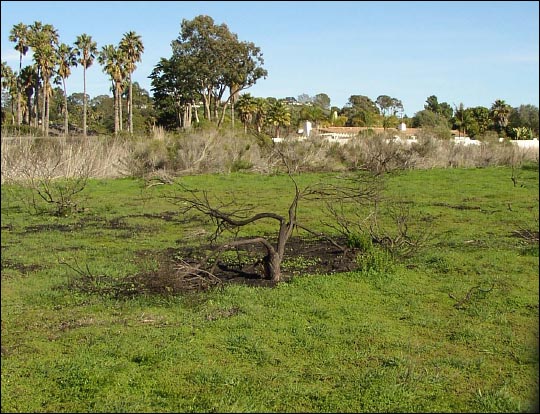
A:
366, 341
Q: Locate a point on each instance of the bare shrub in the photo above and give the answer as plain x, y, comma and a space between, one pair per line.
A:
209, 151
228, 217
302, 156
231, 217
381, 153
424, 151
54, 171
192, 152
54, 177
143, 157
406, 234
362, 216
98, 156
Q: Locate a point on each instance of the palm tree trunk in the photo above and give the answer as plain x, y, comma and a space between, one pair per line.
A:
28, 117
66, 115
47, 99
19, 109
84, 101
130, 109
36, 102
120, 114
116, 109
44, 103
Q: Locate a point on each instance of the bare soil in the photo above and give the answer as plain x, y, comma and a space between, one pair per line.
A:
242, 266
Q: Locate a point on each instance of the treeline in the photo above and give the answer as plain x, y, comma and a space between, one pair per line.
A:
203, 82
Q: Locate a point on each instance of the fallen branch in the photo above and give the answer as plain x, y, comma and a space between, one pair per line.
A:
468, 296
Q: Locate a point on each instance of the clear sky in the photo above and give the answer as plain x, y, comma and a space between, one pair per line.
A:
462, 52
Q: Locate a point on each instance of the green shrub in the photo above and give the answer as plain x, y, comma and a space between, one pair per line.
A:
240, 165
376, 261
360, 241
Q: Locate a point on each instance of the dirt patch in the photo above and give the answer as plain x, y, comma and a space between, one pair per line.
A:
52, 227
530, 236
24, 269
241, 266
169, 216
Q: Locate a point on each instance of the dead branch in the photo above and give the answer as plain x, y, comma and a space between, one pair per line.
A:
460, 303
232, 219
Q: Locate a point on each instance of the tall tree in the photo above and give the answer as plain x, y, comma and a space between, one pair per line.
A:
305, 99
478, 121
175, 91
279, 115
28, 76
43, 39
525, 116
261, 113
432, 104
500, 112
132, 47
242, 69
445, 110
361, 111
19, 35
112, 60
385, 104
67, 59
87, 52
427, 118
218, 61
462, 119
9, 83
246, 107
33, 33
322, 100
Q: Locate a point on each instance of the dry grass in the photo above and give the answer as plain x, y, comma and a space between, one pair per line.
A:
25, 157
224, 151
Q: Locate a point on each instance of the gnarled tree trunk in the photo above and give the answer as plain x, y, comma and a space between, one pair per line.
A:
274, 254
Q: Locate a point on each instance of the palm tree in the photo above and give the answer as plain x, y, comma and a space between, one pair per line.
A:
43, 39
246, 107
28, 76
19, 35
9, 82
33, 33
112, 60
500, 113
261, 112
279, 115
87, 51
66, 59
461, 119
132, 47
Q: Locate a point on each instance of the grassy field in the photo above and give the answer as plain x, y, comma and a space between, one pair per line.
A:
363, 341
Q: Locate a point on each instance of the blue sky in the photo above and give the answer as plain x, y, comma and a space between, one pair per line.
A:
462, 52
